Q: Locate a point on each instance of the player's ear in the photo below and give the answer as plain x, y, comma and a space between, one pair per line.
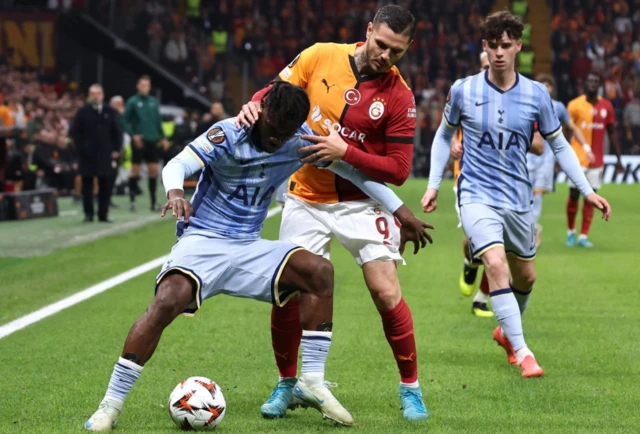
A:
519, 45
484, 45
369, 29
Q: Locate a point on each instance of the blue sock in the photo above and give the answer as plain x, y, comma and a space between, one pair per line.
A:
124, 376
315, 348
505, 307
522, 298
537, 207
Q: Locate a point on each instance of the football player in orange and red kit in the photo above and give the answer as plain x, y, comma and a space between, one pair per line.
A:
364, 114
594, 116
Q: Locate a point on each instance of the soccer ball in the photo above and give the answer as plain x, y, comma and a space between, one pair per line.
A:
197, 403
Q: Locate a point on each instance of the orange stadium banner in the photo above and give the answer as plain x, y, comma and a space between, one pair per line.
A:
31, 36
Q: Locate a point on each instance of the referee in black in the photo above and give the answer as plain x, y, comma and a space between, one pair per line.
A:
142, 121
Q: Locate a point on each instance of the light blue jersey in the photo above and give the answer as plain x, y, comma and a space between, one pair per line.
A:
497, 130
238, 180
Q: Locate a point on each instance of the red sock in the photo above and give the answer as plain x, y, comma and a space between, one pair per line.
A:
587, 216
398, 328
572, 211
484, 284
286, 333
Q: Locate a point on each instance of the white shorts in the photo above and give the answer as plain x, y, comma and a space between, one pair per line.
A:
594, 176
240, 268
367, 230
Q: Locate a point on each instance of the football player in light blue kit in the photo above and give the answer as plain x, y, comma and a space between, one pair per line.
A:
498, 110
541, 168
220, 250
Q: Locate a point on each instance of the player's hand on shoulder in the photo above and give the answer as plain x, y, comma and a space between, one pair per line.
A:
412, 229
456, 150
600, 203
248, 114
179, 205
428, 202
326, 148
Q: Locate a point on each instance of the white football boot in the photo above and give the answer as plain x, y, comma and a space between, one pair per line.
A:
318, 396
106, 416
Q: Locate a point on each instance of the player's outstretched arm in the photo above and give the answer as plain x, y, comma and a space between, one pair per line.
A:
174, 173
568, 161
577, 133
393, 167
412, 228
440, 150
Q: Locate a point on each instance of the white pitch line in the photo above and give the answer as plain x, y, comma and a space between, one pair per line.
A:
68, 213
94, 290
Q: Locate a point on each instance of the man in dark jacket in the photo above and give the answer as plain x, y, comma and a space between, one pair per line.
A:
98, 139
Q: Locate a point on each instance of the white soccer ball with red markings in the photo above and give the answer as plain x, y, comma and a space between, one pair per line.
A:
197, 404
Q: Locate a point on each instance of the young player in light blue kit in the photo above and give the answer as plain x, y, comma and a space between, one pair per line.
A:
498, 110
220, 250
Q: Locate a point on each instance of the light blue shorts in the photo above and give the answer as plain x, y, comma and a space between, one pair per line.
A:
541, 172
240, 268
487, 227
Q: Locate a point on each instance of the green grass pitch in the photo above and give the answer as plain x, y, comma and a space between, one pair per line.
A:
582, 323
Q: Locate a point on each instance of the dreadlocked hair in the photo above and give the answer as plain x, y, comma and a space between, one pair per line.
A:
288, 105
498, 23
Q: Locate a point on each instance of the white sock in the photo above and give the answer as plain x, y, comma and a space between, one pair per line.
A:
315, 349
522, 353
284, 378
414, 385
481, 298
582, 237
571, 231
124, 376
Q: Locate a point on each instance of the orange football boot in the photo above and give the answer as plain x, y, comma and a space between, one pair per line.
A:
504, 343
530, 367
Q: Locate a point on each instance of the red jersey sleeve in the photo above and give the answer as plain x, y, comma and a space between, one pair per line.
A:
401, 126
395, 166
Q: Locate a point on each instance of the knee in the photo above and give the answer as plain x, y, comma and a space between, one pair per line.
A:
386, 297
321, 277
496, 265
173, 296
525, 282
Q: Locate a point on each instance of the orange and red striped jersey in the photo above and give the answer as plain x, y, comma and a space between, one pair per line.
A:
592, 121
374, 114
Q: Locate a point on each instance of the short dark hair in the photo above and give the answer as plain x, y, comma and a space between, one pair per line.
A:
144, 77
596, 74
498, 23
287, 106
399, 19
545, 78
